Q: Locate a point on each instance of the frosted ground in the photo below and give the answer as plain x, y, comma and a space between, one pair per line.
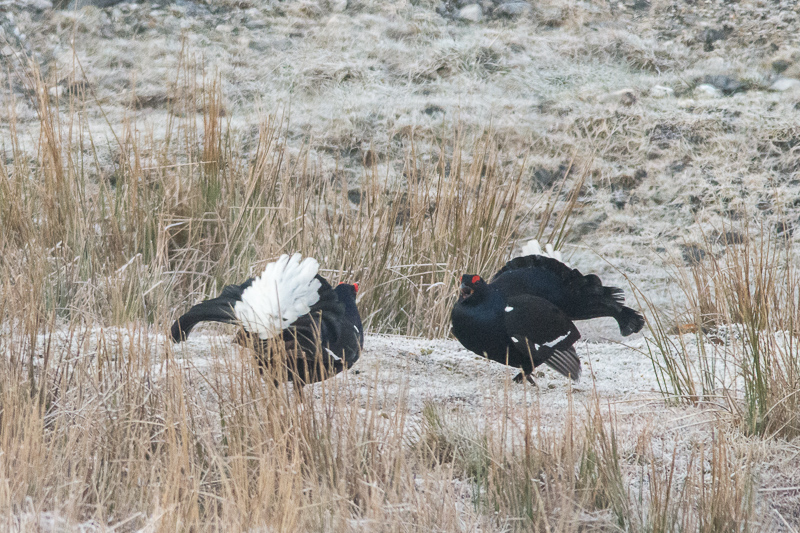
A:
683, 114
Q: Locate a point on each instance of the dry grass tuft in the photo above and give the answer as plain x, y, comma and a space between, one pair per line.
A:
742, 309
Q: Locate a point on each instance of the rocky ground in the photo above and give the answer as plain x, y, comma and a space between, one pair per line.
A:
682, 113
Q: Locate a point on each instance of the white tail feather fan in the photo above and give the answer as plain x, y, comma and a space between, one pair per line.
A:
532, 247
285, 291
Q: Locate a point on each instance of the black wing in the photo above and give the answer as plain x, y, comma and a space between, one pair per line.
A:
321, 326
219, 309
542, 332
580, 296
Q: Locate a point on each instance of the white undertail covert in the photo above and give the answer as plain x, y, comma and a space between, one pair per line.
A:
532, 247
285, 291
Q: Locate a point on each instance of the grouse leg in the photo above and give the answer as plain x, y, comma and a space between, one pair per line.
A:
523, 376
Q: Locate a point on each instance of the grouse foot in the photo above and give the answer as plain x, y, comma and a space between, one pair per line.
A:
521, 377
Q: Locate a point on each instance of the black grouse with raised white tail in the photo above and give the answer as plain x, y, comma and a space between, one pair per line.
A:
290, 304
523, 317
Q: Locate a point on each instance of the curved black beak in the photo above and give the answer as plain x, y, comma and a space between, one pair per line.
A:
466, 291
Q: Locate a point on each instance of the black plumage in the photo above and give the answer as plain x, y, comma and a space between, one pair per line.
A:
317, 345
523, 317
580, 297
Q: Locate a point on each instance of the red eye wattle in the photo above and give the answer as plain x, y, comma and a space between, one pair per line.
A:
475, 279
355, 285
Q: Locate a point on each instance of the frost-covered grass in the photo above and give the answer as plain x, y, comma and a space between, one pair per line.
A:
743, 310
109, 427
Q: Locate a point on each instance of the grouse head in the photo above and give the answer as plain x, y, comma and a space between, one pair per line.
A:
349, 289
473, 288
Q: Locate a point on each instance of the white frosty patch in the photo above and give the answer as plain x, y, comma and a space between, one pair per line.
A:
356, 328
285, 291
509, 309
330, 352
556, 341
514, 339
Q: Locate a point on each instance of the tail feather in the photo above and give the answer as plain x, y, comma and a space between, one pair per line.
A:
285, 291
629, 320
615, 293
215, 310
566, 363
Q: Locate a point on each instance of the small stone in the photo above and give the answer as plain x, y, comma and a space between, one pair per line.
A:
354, 195
661, 91
619, 198
38, 5
727, 84
732, 238
471, 13
77, 4
780, 65
784, 228
512, 10
443, 9
785, 84
433, 109
255, 24
705, 90
711, 35
626, 97
692, 254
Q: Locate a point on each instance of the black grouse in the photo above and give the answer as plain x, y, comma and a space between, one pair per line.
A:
319, 326
523, 317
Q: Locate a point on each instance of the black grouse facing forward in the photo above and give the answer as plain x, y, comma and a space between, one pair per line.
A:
523, 317
289, 304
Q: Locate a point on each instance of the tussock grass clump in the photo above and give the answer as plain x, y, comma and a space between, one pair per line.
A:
742, 309
113, 435
147, 224
581, 476
713, 489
